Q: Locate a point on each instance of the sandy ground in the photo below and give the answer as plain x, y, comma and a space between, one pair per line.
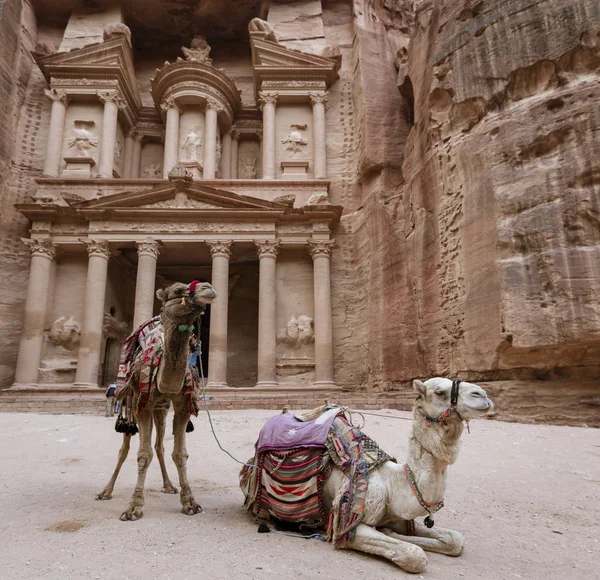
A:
525, 497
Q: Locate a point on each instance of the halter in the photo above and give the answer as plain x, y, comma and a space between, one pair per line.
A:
191, 287
451, 409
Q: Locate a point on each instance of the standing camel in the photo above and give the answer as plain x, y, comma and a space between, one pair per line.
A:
397, 494
148, 392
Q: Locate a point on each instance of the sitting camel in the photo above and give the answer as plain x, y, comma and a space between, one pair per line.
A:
396, 494
148, 393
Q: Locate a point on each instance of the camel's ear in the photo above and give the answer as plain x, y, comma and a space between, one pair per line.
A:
161, 295
419, 387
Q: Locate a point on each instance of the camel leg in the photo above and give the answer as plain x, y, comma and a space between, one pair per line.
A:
106, 493
180, 456
436, 539
160, 417
407, 556
134, 511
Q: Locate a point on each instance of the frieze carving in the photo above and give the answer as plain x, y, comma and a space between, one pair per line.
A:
148, 247
97, 248
293, 84
320, 249
220, 248
181, 200
57, 95
41, 247
198, 51
65, 332
267, 248
83, 82
294, 140
320, 227
82, 139
179, 227
267, 99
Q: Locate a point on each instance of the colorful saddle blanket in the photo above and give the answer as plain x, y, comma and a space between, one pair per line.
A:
140, 356
287, 483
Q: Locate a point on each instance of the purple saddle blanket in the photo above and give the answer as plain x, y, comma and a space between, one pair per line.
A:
286, 432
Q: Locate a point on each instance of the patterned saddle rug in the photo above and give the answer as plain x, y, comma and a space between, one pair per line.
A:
287, 483
140, 358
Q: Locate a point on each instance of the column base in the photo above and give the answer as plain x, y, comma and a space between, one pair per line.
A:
266, 385
24, 386
86, 385
325, 385
216, 385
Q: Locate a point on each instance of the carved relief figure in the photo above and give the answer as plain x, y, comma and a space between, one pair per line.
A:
192, 146
118, 151
250, 168
152, 170
65, 332
294, 140
82, 140
198, 51
218, 149
298, 332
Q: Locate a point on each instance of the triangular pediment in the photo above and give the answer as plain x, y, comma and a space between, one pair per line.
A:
178, 196
269, 53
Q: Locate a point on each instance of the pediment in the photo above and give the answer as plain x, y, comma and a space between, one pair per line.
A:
178, 196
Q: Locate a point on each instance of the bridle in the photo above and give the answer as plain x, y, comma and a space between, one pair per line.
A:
441, 420
187, 299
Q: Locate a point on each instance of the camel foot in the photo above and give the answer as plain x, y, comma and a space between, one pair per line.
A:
191, 508
132, 514
104, 495
169, 488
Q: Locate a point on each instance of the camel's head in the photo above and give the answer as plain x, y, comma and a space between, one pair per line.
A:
435, 398
181, 300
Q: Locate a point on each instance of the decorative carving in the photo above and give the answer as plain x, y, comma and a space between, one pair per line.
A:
153, 170
294, 140
98, 248
198, 51
267, 99
82, 139
57, 95
267, 248
259, 25
84, 82
235, 134
321, 198
320, 249
180, 172
293, 84
192, 145
110, 97
148, 247
318, 98
220, 248
46, 199
214, 105
41, 247
287, 200
298, 332
112, 328
169, 103
65, 332
249, 168
117, 29
181, 200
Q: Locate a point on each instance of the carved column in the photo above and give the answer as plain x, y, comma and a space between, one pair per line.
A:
226, 156
267, 322
171, 157
56, 132
145, 281
220, 252
88, 360
136, 158
32, 335
235, 145
267, 104
318, 101
320, 252
128, 154
111, 102
210, 139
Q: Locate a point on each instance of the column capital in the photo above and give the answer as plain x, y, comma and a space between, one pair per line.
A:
318, 98
41, 247
320, 249
235, 135
97, 248
267, 248
220, 248
111, 97
169, 103
148, 247
214, 105
132, 133
267, 99
259, 134
137, 136
57, 95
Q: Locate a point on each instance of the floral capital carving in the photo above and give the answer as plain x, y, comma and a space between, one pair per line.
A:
214, 105
57, 95
235, 134
41, 247
259, 134
110, 97
169, 103
267, 99
97, 248
148, 247
318, 98
320, 249
267, 248
220, 248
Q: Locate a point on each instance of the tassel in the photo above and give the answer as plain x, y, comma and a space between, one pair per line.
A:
190, 427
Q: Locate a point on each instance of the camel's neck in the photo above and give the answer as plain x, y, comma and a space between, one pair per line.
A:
176, 351
431, 449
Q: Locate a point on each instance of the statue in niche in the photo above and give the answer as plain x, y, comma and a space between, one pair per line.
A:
153, 170
218, 150
65, 332
294, 140
250, 168
198, 51
82, 139
192, 145
118, 151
